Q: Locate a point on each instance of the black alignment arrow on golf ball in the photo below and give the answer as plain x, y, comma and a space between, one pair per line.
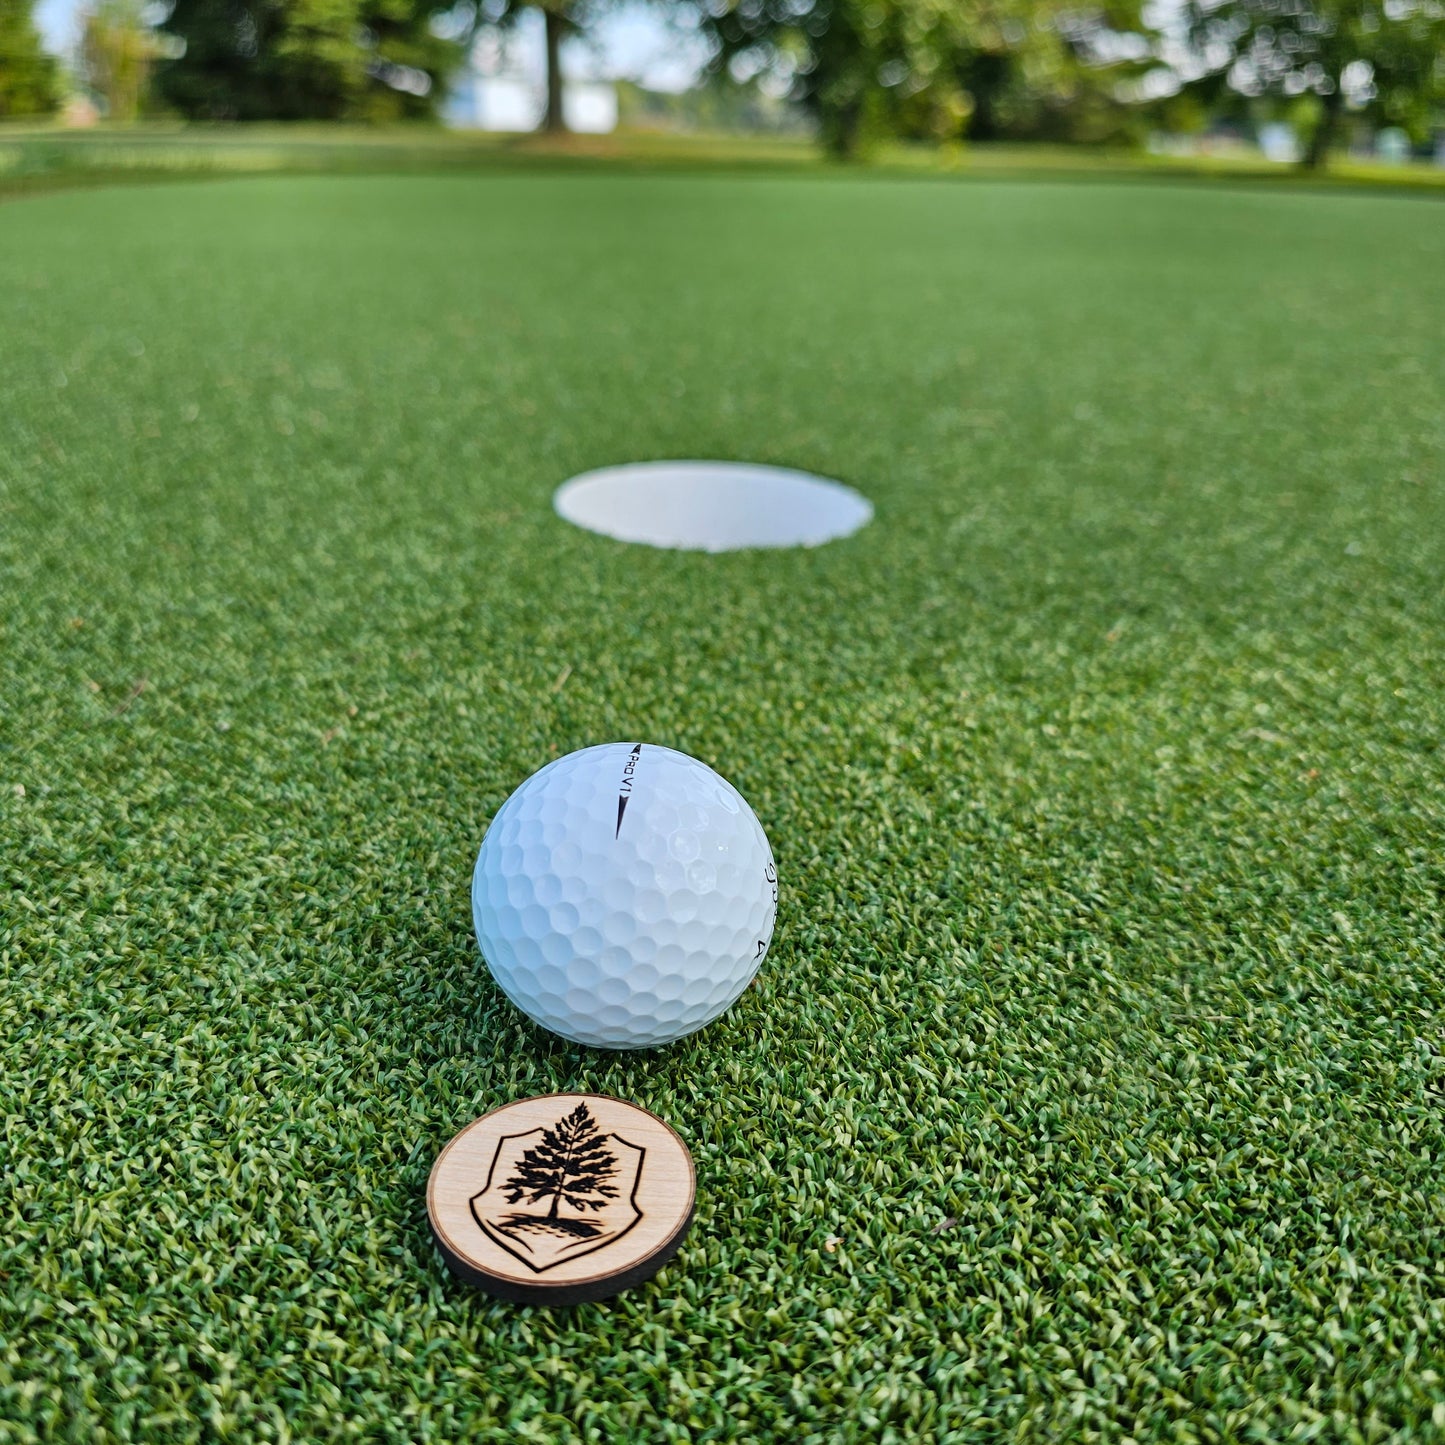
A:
624, 794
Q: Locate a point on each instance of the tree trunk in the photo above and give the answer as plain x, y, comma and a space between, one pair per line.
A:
1321, 140
984, 77
556, 1200
553, 121
842, 129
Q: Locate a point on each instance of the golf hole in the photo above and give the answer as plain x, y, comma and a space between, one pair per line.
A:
711, 506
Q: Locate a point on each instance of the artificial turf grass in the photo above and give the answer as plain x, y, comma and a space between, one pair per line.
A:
1101, 1034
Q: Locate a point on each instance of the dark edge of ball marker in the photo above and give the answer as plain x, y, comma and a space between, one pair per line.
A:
589, 1292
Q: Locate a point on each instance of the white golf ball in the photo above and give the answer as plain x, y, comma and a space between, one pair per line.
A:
624, 896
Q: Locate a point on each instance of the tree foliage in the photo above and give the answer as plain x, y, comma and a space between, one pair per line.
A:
29, 78
1383, 57
117, 50
934, 68
308, 59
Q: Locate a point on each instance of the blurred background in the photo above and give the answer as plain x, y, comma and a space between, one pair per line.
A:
1266, 83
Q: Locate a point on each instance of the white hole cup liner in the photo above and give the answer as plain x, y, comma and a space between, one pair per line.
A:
711, 506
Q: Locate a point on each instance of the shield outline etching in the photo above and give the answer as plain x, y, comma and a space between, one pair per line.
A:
636, 1152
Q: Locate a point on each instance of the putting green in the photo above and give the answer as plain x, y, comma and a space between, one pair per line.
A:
1094, 1084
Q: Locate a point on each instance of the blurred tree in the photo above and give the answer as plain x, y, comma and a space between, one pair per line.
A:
561, 20
1035, 70
837, 57
29, 78
117, 48
1382, 57
938, 68
308, 59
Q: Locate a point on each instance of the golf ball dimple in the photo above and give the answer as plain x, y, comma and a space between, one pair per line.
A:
624, 896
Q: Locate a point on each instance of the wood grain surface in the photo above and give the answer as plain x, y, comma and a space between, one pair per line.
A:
561, 1199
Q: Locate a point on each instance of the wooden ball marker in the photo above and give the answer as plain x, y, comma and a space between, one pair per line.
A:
561, 1199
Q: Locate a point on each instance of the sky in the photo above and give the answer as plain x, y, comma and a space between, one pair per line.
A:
632, 43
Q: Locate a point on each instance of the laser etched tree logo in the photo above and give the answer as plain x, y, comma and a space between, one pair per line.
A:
572, 1162
585, 1178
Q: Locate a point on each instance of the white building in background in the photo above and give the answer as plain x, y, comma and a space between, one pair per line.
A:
590, 106
1278, 142
503, 87
492, 102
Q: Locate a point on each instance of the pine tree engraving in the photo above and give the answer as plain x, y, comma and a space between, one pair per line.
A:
571, 1163
576, 1186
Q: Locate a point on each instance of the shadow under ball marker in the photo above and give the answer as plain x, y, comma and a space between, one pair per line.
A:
561, 1199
